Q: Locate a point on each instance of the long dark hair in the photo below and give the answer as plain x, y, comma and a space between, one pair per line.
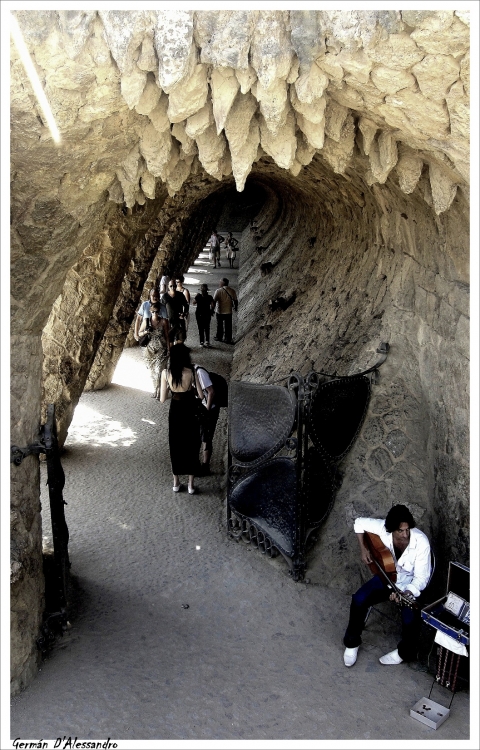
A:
396, 515
179, 359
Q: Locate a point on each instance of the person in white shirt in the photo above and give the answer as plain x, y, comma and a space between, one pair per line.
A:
410, 549
207, 428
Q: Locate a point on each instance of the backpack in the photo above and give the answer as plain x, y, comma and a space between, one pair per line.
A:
220, 386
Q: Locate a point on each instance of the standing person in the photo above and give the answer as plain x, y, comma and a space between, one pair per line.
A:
215, 241
183, 425
177, 308
143, 313
203, 314
156, 351
231, 245
208, 424
179, 279
225, 299
410, 549
163, 283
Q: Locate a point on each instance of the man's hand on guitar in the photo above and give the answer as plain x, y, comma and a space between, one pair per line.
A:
394, 597
365, 555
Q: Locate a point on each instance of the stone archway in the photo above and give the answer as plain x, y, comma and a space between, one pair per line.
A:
354, 124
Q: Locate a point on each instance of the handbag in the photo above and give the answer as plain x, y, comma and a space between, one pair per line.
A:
145, 339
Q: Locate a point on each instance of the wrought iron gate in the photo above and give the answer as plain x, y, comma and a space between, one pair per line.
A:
285, 444
55, 615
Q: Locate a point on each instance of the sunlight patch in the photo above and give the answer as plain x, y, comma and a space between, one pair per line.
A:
91, 427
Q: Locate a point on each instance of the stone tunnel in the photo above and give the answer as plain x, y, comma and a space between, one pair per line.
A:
338, 142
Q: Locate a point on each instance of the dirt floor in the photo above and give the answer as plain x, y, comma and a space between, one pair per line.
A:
178, 632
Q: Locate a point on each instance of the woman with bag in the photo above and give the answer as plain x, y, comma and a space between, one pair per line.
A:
156, 349
178, 380
203, 314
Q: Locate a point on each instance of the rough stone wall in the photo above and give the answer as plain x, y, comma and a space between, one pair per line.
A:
356, 266
342, 109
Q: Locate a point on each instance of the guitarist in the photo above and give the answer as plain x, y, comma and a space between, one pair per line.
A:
410, 549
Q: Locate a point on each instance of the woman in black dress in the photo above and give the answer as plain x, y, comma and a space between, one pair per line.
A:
203, 314
183, 422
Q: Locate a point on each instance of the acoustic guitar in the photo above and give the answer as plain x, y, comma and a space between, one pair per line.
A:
383, 565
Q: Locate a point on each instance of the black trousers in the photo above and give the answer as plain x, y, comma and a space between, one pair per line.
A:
374, 592
203, 323
224, 322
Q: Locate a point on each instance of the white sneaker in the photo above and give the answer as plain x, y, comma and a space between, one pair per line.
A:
350, 656
391, 658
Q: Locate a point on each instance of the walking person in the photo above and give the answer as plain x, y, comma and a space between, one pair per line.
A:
178, 380
208, 424
231, 245
177, 308
203, 302
179, 279
156, 351
143, 313
215, 241
225, 299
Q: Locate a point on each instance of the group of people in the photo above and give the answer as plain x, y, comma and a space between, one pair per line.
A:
231, 247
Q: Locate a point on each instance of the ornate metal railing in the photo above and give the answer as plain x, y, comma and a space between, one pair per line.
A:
285, 444
55, 615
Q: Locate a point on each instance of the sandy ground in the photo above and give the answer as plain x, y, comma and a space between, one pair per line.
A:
179, 632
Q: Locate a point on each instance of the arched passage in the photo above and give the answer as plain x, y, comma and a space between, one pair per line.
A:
362, 229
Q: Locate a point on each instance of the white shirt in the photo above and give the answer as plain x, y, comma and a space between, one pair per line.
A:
414, 564
205, 382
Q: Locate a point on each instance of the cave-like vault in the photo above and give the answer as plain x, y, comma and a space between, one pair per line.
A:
347, 131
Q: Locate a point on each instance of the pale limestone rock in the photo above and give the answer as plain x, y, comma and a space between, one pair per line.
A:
238, 124
77, 25
465, 73
147, 59
427, 117
101, 100
383, 156
368, 130
177, 177
65, 105
371, 96
189, 96
188, 144
443, 188
311, 86
459, 110
356, 63
335, 117
224, 37
273, 103
124, 31
211, 149
355, 29
130, 189
71, 75
98, 48
149, 99
244, 156
147, 183
313, 132
449, 39
294, 72
200, 121
313, 112
132, 86
304, 153
464, 16
159, 116
398, 51
173, 40
296, 168
246, 79
435, 74
173, 161
306, 37
330, 65
338, 155
282, 146
390, 81
155, 148
270, 52
409, 169
347, 96
133, 165
224, 86
414, 18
